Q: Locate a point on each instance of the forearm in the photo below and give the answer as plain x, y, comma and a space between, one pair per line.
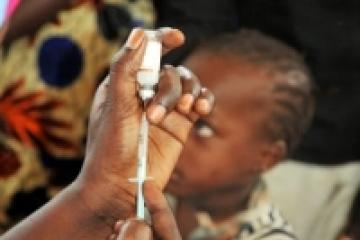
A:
67, 216
27, 20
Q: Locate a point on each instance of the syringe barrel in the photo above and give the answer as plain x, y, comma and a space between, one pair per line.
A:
148, 74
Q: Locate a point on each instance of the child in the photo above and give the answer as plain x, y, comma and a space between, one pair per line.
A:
264, 105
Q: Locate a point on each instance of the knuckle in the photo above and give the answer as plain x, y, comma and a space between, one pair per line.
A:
196, 88
211, 96
171, 72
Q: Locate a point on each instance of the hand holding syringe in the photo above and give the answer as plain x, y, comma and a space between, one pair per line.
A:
186, 96
148, 78
101, 192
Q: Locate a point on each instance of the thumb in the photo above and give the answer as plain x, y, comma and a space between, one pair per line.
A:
125, 64
135, 230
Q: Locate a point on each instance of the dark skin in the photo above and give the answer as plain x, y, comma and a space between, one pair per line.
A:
101, 194
224, 189
226, 153
26, 20
163, 223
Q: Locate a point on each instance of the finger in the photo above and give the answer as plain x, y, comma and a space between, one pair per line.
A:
118, 225
135, 230
167, 96
125, 64
112, 237
190, 88
162, 218
98, 104
100, 95
205, 102
177, 125
171, 38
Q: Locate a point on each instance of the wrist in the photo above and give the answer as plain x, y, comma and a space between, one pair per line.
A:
105, 202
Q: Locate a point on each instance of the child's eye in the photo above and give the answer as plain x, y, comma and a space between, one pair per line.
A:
202, 129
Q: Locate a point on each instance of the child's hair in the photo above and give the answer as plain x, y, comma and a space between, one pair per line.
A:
293, 107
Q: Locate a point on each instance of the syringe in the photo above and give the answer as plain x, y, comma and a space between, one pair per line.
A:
142, 166
147, 77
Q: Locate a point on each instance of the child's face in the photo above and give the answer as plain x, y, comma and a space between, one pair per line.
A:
226, 149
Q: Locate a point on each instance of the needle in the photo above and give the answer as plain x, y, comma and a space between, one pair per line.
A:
141, 166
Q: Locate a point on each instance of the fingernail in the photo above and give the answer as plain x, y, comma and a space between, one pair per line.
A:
135, 38
203, 106
185, 103
173, 33
118, 225
156, 113
184, 72
167, 66
164, 30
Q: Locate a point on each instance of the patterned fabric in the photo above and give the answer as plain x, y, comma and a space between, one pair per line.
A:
261, 221
47, 82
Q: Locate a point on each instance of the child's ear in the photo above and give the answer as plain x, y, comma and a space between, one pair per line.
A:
275, 152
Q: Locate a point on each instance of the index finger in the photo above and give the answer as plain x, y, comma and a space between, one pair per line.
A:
171, 38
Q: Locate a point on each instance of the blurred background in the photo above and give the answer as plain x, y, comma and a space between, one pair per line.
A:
54, 53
